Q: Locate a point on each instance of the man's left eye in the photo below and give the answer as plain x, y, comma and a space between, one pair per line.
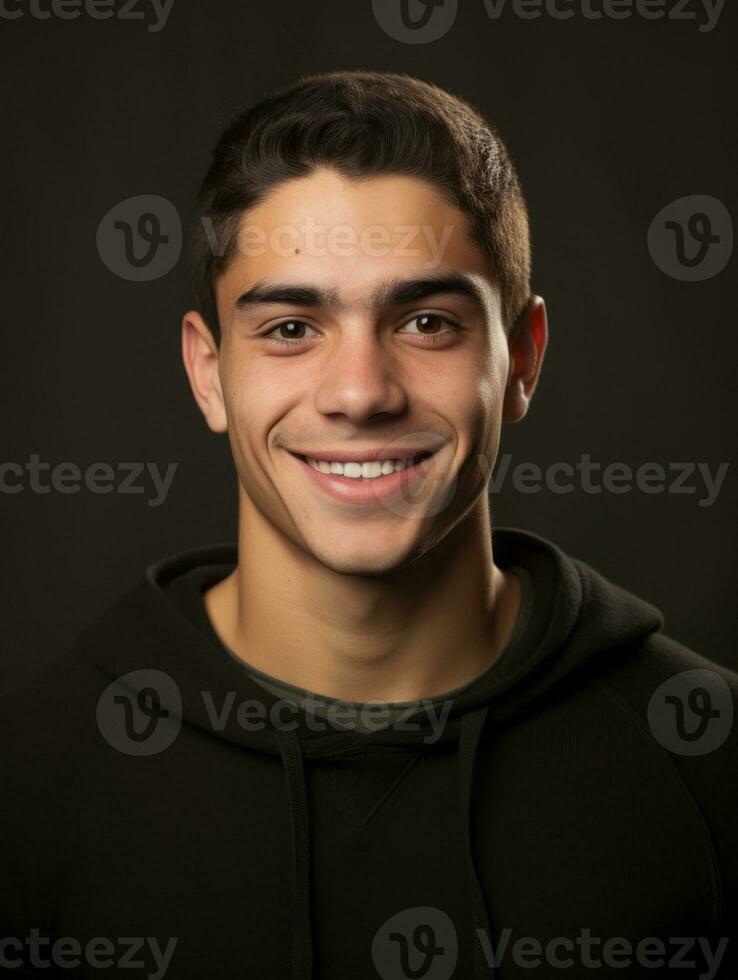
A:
427, 321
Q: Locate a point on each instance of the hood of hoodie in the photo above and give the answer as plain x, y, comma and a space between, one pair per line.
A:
150, 646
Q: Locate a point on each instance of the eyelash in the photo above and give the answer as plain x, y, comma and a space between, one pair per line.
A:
431, 338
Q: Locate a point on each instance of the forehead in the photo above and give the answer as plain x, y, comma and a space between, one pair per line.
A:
346, 235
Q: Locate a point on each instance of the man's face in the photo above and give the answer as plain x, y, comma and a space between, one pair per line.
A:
362, 369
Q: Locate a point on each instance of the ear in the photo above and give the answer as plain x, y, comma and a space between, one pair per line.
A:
200, 356
527, 345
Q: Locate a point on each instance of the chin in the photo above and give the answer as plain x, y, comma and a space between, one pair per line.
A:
367, 559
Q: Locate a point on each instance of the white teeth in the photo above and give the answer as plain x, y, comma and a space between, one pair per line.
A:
368, 471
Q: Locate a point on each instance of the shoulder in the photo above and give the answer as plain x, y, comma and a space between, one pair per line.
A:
687, 702
661, 674
50, 715
687, 706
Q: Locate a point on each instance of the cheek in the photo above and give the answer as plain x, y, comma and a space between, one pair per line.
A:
255, 396
479, 394
491, 393
484, 429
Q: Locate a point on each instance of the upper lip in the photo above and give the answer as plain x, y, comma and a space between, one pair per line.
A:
364, 455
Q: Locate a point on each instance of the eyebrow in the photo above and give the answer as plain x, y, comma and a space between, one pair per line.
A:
393, 292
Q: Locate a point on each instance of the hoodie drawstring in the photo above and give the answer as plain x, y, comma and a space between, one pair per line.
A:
290, 750
302, 947
472, 725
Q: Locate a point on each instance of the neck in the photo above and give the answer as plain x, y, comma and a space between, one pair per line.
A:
417, 632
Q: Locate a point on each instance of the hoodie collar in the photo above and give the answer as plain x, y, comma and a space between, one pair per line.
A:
578, 617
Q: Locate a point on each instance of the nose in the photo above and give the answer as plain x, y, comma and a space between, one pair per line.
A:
360, 379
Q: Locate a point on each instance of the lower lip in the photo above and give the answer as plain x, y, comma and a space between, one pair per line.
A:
358, 490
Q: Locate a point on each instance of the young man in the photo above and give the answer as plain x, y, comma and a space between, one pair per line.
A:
376, 738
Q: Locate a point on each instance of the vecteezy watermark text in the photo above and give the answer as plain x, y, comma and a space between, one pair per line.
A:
614, 952
429, 20
94, 9
66, 952
311, 238
593, 477
673, 10
321, 715
38, 476
140, 713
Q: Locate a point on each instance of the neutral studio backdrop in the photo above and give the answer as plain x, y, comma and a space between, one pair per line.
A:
610, 120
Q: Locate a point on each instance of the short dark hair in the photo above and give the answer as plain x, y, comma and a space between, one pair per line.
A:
364, 123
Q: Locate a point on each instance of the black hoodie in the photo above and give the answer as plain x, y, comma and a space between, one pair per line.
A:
572, 810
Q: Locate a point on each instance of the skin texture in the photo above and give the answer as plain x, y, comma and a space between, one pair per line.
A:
391, 600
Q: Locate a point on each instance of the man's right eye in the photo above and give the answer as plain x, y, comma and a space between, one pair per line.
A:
293, 328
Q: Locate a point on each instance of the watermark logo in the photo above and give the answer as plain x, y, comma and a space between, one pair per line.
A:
416, 943
691, 239
692, 712
140, 713
429, 487
415, 21
140, 239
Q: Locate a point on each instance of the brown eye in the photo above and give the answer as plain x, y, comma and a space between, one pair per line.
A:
292, 333
427, 321
292, 329
432, 326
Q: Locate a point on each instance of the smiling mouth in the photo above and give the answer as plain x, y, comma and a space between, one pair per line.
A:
364, 472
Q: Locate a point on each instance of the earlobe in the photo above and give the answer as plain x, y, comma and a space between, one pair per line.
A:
200, 356
516, 401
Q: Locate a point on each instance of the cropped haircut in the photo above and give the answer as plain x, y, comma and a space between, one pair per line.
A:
364, 123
